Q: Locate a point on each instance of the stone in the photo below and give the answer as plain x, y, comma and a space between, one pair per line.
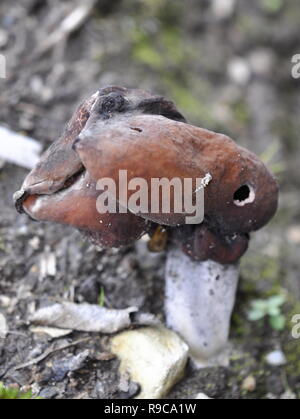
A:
288, 395
223, 9
64, 366
154, 357
239, 71
202, 396
52, 332
49, 392
3, 38
293, 234
276, 358
262, 61
249, 384
3, 327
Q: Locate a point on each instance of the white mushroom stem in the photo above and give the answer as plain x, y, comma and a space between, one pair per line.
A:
199, 301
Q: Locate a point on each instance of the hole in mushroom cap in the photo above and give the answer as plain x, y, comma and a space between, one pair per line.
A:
244, 195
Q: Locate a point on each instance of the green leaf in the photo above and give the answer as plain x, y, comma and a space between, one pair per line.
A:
101, 298
260, 305
278, 322
255, 315
274, 311
276, 301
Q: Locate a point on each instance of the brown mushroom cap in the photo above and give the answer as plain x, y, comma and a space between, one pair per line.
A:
59, 163
242, 196
122, 129
76, 206
60, 190
200, 244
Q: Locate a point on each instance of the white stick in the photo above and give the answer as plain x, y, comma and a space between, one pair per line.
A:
69, 24
19, 149
199, 301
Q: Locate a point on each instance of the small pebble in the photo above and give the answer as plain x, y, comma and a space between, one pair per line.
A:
202, 396
288, 395
34, 243
63, 366
293, 234
262, 61
276, 358
3, 327
249, 384
154, 357
3, 38
49, 392
23, 230
223, 9
47, 265
239, 71
5, 301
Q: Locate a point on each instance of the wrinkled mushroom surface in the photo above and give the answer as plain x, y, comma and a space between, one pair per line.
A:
77, 206
242, 196
201, 243
60, 189
131, 130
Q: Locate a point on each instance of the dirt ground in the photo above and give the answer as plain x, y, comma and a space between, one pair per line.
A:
227, 72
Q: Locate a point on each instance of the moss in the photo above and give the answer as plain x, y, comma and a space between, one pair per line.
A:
182, 96
261, 279
187, 100
164, 52
2, 245
247, 25
292, 13
291, 346
261, 273
165, 57
287, 129
146, 54
272, 6
241, 112
292, 351
168, 12
242, 363
173, 46
13, 393
240, 327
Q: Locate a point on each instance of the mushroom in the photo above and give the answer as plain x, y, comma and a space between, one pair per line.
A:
60, 189
119, 130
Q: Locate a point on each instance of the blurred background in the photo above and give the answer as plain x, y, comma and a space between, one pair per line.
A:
228, 66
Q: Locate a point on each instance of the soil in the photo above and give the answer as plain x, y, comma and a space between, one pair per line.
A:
188, 54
